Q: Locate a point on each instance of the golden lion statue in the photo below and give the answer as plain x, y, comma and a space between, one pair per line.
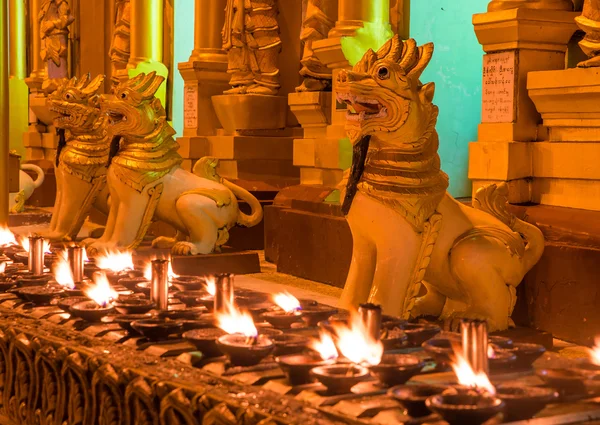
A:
146, 181
407, 230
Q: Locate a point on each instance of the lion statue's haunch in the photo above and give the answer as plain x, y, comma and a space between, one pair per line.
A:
146, 181
81, 156
407, 230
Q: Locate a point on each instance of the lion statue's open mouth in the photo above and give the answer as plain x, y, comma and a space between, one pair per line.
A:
361, 108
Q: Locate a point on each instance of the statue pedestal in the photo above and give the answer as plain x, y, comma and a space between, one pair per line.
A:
250, 112
516, 42
564, 169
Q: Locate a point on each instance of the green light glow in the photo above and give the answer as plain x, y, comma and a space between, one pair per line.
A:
372, 35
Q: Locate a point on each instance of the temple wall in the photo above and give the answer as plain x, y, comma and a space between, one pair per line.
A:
456, 70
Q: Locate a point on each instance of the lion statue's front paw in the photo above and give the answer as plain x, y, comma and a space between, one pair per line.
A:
88, 241
163, 242
184, 248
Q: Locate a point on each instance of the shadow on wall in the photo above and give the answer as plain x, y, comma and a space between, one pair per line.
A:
456, 71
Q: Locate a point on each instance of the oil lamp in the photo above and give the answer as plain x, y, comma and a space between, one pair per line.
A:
289, 311
101, 295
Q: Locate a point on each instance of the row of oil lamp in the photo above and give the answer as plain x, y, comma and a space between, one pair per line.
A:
350, 348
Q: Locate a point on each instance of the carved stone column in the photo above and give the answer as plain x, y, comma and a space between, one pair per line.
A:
38, 69
204, 76
515, 41
146, 46
4, 115
19, 92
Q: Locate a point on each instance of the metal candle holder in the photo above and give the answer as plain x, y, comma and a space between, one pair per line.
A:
159, 289
371, 317
75, 255
223, 292
475, 344
36, 255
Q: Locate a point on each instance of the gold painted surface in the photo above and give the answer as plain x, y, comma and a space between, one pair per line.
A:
589, 22
154, 193
251, 40
54, 19
120, 48
496, 5
316, 25
4, 115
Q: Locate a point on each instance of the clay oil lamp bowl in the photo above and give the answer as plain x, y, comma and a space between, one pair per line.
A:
268, 331
297, 367
523, 402
314, 314
257, 310
7, 282
192, 313
65, 303
392, 336
280, 319
396, 369
29, 279
90, 311
157, 329
286, 344
9, 251
125, 320
501, 360
526, 354
245, 351
413, 397
89, 268
205, 340
340, 378
418, 333
131, 282
566, 381
440, 349
203, 322
188, 283
501, 341
465, 407
190, 298
143, 287
41, 295
133, 305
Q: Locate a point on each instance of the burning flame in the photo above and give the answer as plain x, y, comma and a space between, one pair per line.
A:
234, 321
467, 377
356, 344
115, 261
287, 302
148, 271
63, 274
24, 242
84, 255
3, 267
211, 285
324, 346
101, 291
491, 353
595, 352
6, 237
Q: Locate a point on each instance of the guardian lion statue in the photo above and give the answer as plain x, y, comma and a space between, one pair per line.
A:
81, 156
146, 181
407, 230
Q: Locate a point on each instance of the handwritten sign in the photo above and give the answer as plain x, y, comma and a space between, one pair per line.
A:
498, 92
190, 108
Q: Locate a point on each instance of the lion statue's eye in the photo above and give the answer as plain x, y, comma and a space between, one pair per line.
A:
383, 73
68, 96
123, 95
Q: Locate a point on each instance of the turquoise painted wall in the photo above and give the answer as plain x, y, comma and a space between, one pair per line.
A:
183, 42
456, 70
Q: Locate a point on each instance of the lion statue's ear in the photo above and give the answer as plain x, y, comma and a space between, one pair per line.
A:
427, 92
94, 101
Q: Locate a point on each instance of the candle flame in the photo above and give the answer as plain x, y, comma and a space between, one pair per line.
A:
24, 242
84, 255
115, 261
148, 271
491, 353
234, 321
595, 352
7, 237
2, 266
287, 302
101, 292
324, 346
62, 272
356, 344
466, 376
211, 285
